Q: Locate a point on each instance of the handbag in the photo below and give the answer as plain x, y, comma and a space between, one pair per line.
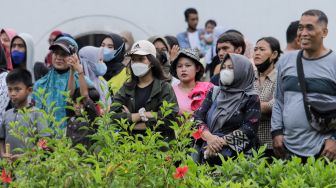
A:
321, 120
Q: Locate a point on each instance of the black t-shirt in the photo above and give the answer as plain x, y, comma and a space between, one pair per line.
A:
141, 96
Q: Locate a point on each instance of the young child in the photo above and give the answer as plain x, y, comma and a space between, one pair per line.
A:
83, 100
19, 83
208, 35
77, 129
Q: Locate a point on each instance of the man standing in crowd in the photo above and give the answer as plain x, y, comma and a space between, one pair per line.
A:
228, 43
292, 39
192, 37
292, 133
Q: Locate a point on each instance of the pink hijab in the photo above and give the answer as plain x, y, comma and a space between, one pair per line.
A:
10, 33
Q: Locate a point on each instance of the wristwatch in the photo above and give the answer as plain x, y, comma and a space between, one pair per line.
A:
142, 114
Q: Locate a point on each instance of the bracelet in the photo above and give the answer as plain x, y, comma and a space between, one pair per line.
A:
80, 73
142, 114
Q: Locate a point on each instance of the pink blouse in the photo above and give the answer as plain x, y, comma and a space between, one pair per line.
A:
191, 101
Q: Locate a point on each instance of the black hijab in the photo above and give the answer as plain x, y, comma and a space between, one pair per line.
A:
115, 65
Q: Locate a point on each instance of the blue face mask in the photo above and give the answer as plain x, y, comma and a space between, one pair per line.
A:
109, 54
100, 69
18, 57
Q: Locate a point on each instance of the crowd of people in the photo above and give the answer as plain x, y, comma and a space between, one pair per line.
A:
239, 95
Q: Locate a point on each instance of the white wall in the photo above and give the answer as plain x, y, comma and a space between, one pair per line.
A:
254, 19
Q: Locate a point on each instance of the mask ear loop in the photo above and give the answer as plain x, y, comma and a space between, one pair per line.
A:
119, 49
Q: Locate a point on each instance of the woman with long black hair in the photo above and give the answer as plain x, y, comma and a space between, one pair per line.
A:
142, 96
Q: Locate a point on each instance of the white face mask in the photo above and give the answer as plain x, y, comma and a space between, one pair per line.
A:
139, 69
226, 76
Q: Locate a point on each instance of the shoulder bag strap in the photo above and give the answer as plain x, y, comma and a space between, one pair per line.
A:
302, 82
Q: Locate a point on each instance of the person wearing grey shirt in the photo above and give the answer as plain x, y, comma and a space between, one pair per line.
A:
22, 125
30, 118
291, 131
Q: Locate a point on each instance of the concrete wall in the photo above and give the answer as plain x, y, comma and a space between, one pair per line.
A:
254, 19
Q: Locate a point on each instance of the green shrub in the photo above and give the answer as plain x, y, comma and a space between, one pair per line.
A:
118, 159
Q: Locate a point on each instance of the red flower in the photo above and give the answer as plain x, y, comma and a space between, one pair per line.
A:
180, 172
42, 144
6, 178
198, 134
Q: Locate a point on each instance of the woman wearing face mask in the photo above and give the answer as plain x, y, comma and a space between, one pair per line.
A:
114, 51
140, 98
92, 60
190, 92
228, 118
266, 53
164, 50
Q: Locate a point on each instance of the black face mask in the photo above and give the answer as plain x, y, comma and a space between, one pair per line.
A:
264, 66
163, 57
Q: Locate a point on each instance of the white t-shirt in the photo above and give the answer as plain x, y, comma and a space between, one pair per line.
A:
194, 40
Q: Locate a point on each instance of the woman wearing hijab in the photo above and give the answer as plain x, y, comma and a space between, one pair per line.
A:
229, 117
114, 51
266, 53
92, 60
163, 49
55, 83
6, 36
142, 97
3, 86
